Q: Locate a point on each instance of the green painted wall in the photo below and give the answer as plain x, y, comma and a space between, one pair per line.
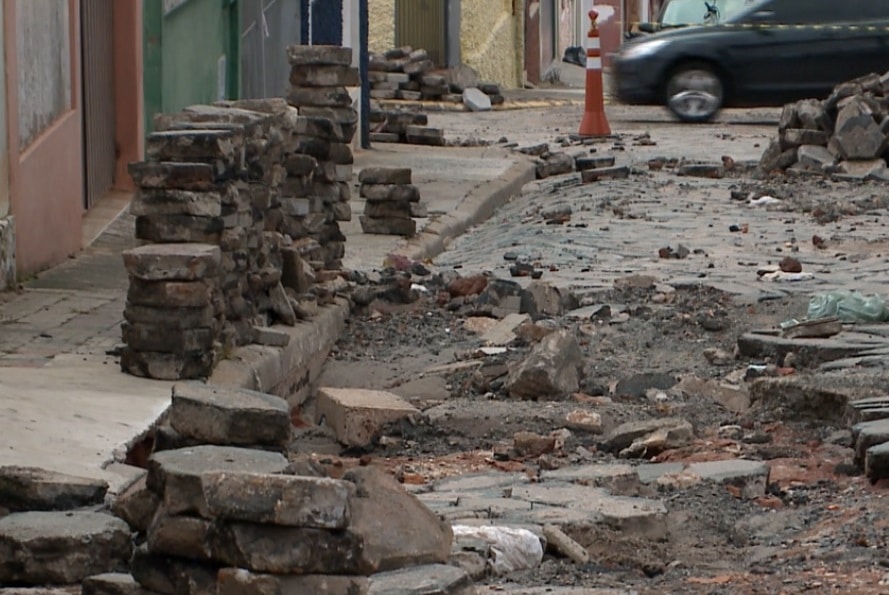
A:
182, 54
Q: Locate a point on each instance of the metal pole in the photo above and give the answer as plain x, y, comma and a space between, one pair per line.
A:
364, 67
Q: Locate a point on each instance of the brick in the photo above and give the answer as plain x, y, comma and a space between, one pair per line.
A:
173, 262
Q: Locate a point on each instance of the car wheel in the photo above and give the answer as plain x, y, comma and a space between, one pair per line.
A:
694, 92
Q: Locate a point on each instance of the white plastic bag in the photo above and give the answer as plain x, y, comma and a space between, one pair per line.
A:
511, 549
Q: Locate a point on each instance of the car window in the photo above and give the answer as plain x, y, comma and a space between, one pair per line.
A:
815, 11
695, 12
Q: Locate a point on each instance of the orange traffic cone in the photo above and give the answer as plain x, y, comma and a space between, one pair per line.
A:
594, 122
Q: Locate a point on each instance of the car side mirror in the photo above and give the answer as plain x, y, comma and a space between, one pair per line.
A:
647, 27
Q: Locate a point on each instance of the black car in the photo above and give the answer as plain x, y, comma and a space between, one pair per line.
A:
771, 53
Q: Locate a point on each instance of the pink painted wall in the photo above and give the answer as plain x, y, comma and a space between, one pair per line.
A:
46, 178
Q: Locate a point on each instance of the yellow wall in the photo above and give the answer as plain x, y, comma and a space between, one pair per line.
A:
491, 40
491, 37
381, 26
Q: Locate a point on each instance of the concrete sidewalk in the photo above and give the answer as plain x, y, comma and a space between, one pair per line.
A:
64, 402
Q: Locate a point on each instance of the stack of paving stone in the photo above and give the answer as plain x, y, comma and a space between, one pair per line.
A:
319, 167
226, 514
211, 174
391, 201
173, 315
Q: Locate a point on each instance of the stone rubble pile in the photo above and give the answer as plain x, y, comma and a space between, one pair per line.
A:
239, 204
391, 201
845, 135
403, 126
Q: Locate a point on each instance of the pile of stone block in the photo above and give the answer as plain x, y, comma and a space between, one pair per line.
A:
266, 183
845, 135
221, 509
391, 201
406, 126
407, 74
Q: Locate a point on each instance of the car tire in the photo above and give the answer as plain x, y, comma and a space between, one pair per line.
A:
694, 92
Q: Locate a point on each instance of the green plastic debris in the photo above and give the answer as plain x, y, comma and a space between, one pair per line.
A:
848, 306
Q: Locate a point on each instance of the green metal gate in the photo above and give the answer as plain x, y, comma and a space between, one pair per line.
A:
423, 24
191, 53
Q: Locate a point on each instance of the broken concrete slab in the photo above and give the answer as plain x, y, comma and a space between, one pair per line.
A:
38, 548
544, 300
237, 581
550, 371
229, 417
617, 172
431, 579
638, 385
286, 500
624, 435
870, 409
475, 100
555, 164
396, 529
814, 157
173, 262
662, 439
358, 416
28, 488
816, 351
797, 397
751, 477
502, 332
595, 475
176, 474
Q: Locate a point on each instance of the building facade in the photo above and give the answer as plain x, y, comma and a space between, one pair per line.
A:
73, 82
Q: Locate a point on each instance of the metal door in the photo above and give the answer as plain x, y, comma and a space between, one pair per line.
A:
269, 27
422, 24
323, 22
97, 51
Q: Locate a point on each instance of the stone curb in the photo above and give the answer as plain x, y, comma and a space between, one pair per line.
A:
289, 372
476, 207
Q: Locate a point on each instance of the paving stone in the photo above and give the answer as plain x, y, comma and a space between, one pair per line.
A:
801, 398
173, 576
136, 504
312, 55
176, 474
234, 417
651, 472
396, 529
815, 350
593, 162
383, 175
176, 202
388, 209
867, 434
857, 135
29, 488
237, 581
330, 75
163, 339
550, 371
166, 366
168, 294
222, 148
876, 462
796, 137
180, 536
638, 385
701, 170
867, 409
618, 172
555, 164
173, 262
286, 500
389, 192
168, 175
288, 550
38, 548
423, 135
432, 579
480, 481
357, 416
113, 584
814, 157
752, 477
